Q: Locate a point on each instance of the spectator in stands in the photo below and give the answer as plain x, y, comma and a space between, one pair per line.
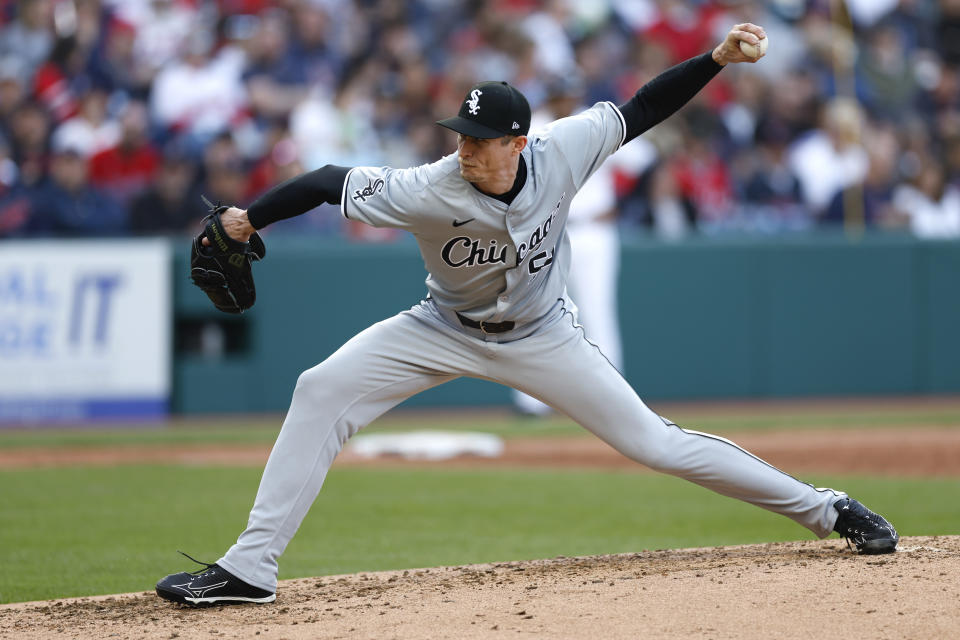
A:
58, 80
948, 32
364, 81
930, 204
683, 28
222, 151
703, 175
30, 35
14, 203
831, 158
594, 62
117, 67
311, 46
65, 204
545, 27
162, 29
29, 141
340, 130
269, 169
771, 191
12, 90
793, 100
886, 83
868, 203
275, 80
92, 129
171, 204
200, 94
741, 113
226, 182
126, 169
223, 175
9, 173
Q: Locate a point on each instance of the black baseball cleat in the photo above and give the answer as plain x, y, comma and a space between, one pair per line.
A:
209, 586
869, 531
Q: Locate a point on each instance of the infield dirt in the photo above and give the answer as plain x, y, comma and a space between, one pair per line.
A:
785, 590
925, 451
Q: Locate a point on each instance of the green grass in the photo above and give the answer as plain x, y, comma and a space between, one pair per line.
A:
84, 531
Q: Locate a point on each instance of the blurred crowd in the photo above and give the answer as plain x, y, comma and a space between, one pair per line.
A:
115, 115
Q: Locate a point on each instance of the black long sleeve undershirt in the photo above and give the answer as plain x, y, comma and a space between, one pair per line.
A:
298, 195
665, 94
652, 104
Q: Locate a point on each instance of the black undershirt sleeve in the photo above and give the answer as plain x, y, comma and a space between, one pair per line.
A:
298, 195
665, 94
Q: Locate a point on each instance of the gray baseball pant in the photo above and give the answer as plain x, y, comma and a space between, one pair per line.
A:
426, 346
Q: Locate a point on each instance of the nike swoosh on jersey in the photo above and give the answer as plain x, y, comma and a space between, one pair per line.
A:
458, 223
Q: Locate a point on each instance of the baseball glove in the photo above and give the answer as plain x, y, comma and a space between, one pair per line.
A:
222, 269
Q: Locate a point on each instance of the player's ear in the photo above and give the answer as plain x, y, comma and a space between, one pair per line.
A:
518, 142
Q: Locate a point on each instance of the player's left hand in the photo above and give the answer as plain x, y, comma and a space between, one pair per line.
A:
236, 224
220, 264
729, 50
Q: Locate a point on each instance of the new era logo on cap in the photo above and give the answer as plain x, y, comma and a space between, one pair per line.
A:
491, 110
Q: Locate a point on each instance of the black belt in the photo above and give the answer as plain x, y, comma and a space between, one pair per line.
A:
487, 327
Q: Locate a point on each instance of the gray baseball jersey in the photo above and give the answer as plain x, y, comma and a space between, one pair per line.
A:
485, 259
493, 262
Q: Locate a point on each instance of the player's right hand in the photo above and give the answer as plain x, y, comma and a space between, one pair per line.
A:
729, 50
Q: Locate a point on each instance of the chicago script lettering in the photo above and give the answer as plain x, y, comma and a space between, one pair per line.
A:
467, 252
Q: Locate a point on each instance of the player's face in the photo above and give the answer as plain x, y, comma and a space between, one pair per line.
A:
484, 158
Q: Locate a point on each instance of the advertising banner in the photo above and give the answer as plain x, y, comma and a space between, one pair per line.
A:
85, 330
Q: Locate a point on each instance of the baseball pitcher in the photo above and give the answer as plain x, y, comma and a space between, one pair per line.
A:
489, 220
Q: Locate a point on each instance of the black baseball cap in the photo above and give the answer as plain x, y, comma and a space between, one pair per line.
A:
491, 110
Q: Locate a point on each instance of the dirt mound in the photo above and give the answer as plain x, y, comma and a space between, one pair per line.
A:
783, 590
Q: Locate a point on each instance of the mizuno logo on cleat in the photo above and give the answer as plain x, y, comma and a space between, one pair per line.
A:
198, 592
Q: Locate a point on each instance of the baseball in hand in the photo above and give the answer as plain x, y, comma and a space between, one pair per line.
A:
754, 50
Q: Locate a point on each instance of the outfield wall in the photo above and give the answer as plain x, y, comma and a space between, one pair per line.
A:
704, 318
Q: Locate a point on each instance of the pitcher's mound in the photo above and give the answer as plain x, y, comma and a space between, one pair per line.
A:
784, 590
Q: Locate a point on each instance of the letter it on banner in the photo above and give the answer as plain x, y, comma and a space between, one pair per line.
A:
103, 285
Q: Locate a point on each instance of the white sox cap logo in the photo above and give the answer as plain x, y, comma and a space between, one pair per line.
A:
474, 101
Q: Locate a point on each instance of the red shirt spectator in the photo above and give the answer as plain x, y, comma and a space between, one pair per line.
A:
126, 170
683, 30
705, 182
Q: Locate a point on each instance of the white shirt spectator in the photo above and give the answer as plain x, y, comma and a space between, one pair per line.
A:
929, 218
554, 53
85, 137
161, 25
824, 170
866, 13
202, 97
336, 130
